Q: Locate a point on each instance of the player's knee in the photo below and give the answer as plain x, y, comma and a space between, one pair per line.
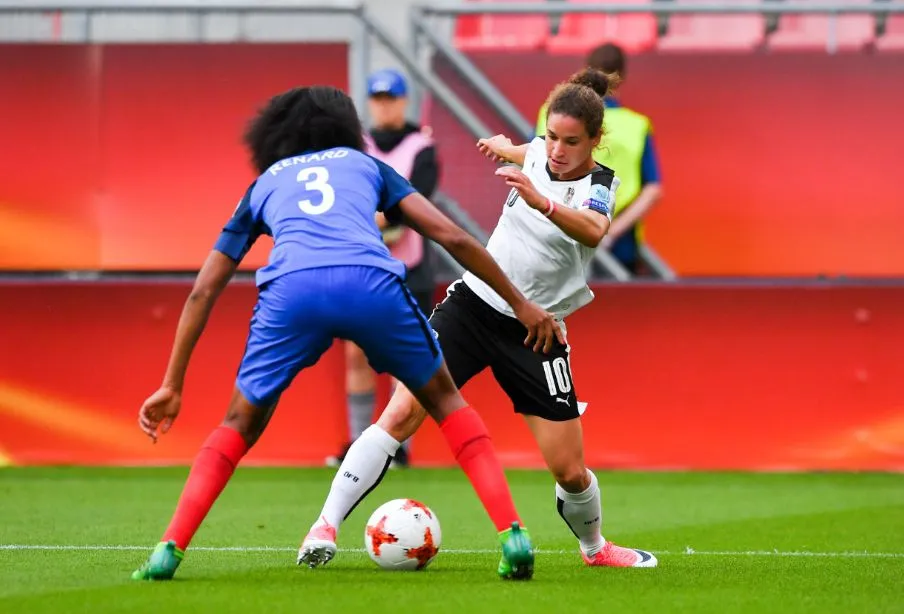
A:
439, 397
244, 428
572, 477
402, 416
248, 424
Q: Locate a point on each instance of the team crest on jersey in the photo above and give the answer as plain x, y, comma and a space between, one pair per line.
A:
600, 199
569, 194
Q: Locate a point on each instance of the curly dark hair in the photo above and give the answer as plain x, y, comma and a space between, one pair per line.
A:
303, 119
581, 97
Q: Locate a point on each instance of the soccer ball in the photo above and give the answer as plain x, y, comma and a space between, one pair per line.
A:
402, 534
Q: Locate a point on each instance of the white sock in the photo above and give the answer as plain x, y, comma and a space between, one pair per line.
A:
364, 466
583, 513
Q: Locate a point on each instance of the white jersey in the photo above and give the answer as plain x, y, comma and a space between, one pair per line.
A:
545, 264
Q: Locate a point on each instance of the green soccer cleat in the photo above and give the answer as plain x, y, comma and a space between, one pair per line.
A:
517, 562
162, 563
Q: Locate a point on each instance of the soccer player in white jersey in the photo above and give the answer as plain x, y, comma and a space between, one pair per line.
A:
558, 211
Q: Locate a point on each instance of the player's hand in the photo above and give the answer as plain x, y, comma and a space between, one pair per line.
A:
542, 328
159, 411
514, 178
494, 147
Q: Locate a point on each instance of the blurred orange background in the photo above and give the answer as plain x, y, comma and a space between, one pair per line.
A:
694, 376
120, 157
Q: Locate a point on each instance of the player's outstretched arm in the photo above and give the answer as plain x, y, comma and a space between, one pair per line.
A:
216, 272
500, 148
421, 215
586, 226
162, 407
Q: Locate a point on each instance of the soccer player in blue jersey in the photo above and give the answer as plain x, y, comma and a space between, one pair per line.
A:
329, 276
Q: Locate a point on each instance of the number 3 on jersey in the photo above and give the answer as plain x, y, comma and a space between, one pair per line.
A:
316, 179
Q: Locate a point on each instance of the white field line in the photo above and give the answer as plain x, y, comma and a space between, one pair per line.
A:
686, 552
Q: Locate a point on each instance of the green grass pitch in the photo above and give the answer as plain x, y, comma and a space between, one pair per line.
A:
727, 542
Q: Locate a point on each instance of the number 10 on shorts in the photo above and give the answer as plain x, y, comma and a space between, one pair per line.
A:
558, 376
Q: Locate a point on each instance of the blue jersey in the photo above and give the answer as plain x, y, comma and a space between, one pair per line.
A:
319, 208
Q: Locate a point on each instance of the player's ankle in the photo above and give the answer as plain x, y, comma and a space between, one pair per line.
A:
592, 549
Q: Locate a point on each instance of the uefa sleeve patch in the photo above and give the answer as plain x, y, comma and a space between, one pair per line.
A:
600, 200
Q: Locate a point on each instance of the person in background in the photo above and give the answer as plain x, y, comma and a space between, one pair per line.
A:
409, 150
631, 152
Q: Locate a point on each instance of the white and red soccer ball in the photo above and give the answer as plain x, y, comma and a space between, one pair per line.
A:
402, 534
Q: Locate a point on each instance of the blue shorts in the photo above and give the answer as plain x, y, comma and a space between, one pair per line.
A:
299, 314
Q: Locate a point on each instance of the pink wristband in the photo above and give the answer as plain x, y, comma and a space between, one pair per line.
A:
550, 207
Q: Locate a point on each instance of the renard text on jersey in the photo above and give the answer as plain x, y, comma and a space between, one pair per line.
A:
319, 156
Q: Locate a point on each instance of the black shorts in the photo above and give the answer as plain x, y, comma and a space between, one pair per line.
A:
475, 336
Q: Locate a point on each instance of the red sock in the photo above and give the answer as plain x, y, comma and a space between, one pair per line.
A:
469, 441
214, 465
